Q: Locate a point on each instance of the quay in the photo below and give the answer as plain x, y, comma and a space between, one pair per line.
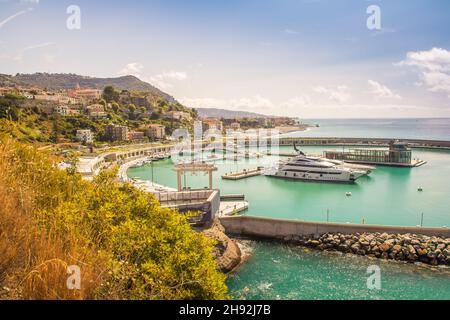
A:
374, 142
232, 208
280, 229
243, 174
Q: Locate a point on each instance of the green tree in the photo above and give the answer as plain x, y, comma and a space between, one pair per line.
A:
129, 247
115, 107
110, 94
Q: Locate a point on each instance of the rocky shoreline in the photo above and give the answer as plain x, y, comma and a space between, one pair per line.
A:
399, 247
227, 252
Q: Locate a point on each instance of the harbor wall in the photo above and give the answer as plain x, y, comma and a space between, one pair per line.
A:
331, 141
281, 229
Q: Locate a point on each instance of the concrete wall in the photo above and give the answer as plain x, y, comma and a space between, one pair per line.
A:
361, 141
207, 201
279, 229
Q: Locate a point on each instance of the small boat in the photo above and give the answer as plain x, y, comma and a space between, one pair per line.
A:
420, 189
348, 194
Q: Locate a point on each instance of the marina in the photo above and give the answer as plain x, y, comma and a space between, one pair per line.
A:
398, 186
414, 197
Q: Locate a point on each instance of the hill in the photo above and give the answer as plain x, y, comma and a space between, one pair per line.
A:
227, 114
61, 81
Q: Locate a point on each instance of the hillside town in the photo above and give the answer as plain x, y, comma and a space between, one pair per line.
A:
115, 117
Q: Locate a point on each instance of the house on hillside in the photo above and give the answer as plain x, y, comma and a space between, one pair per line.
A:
62, 110
87, 95
155, 131
114, 132
136, 136
96, 111
212, 124
177, 115
85, 136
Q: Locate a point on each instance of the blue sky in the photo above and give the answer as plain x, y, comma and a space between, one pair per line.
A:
306, 58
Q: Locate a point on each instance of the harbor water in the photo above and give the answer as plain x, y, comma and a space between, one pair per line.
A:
388, 196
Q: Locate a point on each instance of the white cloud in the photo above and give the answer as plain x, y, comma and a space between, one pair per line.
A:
339, 94
19, 56
132, 68
381, 91
253, 103
164, 80
176, 75
433, 67
290, 31
296, 102
38, 46
383, 31
14, 16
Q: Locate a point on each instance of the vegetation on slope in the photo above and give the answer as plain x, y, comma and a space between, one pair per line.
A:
33, 124
58, 81
125, 244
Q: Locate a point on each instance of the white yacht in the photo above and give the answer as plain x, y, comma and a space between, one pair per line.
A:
309, 168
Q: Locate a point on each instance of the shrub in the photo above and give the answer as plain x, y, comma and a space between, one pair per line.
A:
125, 244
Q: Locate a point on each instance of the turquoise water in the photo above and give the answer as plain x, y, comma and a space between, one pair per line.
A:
277, 271
389, 196
433, 129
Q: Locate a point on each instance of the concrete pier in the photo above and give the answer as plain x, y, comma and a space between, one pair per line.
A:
243, 174
279, 229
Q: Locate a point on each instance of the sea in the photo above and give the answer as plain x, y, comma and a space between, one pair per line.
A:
427, 129
389, 196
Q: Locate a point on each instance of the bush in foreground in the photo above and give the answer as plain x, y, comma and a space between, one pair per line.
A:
126, 245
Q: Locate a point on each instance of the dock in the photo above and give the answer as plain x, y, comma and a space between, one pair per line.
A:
232, 208
243, 174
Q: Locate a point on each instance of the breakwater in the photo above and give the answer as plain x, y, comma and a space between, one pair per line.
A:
280, 229
412, 244
401, 247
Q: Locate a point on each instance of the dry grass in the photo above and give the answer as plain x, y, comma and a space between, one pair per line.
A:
33, 260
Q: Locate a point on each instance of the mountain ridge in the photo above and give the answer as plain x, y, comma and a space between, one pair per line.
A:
64, 81
228, 114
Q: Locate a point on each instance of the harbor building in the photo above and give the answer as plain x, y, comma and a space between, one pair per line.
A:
398, 154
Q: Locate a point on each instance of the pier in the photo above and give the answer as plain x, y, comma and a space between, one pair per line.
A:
243, 174
280, 229
232, 208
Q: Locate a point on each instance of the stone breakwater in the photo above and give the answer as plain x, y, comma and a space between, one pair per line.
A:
401, 247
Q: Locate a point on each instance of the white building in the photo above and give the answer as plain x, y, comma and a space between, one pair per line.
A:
85, 136
62, 110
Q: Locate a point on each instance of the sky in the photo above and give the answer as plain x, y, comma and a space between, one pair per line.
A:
300, 58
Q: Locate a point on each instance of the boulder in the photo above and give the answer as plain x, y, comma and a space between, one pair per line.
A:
385, 246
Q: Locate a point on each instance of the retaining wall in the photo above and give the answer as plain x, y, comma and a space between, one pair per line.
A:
280, 229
